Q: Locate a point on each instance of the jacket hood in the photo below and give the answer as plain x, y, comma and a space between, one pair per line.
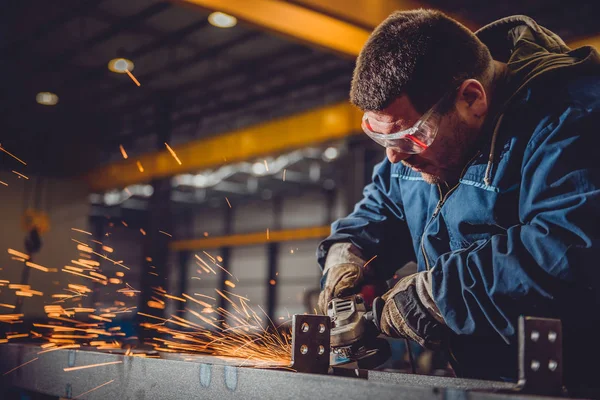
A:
531, 53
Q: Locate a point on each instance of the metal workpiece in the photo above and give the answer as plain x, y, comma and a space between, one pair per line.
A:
310, 343
540, 355
186, 376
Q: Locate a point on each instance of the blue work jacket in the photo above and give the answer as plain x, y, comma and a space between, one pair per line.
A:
517, 235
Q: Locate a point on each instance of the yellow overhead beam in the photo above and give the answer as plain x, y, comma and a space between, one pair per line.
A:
293, 21
297, 131
339, 25
247, 239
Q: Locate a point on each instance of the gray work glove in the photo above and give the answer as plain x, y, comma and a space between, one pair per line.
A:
410, 312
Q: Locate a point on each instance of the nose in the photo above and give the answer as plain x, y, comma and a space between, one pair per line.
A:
396, 156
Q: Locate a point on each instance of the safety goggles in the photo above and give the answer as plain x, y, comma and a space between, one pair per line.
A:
413, 140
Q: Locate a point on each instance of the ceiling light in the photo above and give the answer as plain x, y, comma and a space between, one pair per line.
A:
46, 98
222, 20
120, 65
331, 153
259, 168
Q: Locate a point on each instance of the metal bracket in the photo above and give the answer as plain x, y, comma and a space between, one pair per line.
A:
540, 356
311, 343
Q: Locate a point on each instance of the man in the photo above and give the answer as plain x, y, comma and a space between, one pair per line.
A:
491, 184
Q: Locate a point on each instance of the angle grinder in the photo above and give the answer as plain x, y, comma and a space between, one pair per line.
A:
355, 330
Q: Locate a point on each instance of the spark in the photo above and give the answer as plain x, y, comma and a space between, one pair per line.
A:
203, 295
165, 233
12, 155
82, 275
36, 266
91, 366
124, 224
267, 233
266, 165
228, 203
97, 275
22, 365
205, 264
143, 232
107, 249
139, 165
18, 286
103, 256
155, 304
68, 346
174, 298
123, 152
75, 269
24, 294
91, 390
4, 183
284, 174
20, 174
173, 154
371, 259
230, 284
19, 335
133, 77
18, 254
79, 230
273, 282
7, 305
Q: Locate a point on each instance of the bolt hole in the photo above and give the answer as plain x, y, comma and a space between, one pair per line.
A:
321, 349
552, 365
535, 365
552, 336
304, 349
535, 335
321, 328
305, 327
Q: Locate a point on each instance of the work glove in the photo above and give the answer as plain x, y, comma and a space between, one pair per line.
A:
410, 312
343, 274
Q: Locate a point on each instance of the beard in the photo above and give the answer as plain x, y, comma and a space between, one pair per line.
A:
450, 151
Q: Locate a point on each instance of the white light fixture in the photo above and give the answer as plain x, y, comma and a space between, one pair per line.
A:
120, 65
46, 98
259, 168
331, 153
222, 20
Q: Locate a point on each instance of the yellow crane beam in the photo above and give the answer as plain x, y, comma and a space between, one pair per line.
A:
297, 131
248, 239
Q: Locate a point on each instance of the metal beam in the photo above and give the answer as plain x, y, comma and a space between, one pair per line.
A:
247, 239
306, 129
178, 376
293, 21
338, 25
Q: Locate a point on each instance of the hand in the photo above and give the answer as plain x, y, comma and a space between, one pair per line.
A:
410, 312
341, 280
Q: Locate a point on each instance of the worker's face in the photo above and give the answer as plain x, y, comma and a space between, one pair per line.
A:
458, 129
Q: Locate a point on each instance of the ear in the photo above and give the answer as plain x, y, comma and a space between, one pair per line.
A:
472, 102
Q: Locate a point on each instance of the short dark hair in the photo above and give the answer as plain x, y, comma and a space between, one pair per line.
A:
421, 53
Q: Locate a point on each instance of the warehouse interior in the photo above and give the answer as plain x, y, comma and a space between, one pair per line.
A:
185, 152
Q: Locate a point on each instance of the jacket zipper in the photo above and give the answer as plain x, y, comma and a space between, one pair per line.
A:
438, 207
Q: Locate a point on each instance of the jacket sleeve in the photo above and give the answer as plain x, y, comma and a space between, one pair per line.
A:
546, 265
376, 227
